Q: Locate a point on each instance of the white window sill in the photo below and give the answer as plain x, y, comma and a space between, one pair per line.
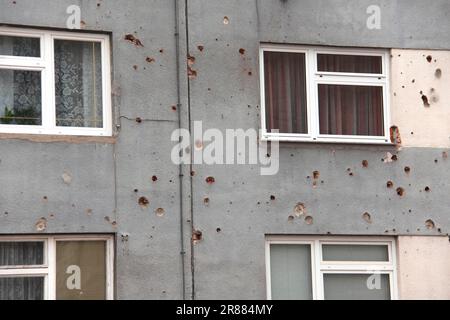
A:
350, 140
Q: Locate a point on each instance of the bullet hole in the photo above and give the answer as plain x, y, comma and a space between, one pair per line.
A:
6, 213
394, 157
108, 219
199, 145
67, 178
430, 224
131, 38
190, 61
395, 135
161, 51
160, 212
444, 155
367, 217
136, 190
291, 218
150, 60
200, 48
114, 224
300, 209
174, 108
41, 225
388, 158
438, 73
400, 191
242, 51
218, 230
135, 67
125, 237
390, 184
429, 59
144, 202
250, 73
138, 120
45, 198
365, 164
193, 173
425, 101
407, 170
226, 20
309, 220
427, 189
273, 198
316, 175
206, 201
192, 74
154, 178
210, 180
197, 236
413, 80
89, 212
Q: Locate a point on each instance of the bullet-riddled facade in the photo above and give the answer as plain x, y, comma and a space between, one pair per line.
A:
93, 204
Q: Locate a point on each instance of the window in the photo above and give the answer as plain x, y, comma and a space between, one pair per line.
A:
324, 94
56, 268
322, 268
54, 83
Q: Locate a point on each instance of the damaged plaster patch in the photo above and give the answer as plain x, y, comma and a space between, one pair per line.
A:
367, 217
197, 236
395, 135
309, 220
67, 178
160, 212
300, 209
41, 225
144, 202
131, 38
430, 224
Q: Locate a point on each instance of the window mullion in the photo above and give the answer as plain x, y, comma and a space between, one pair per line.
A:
48, 86
51, 254
313, 105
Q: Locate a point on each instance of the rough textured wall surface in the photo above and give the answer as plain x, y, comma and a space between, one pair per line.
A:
420, 98
423, 272
107, 179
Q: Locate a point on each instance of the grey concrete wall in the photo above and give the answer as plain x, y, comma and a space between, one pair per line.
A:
225, 94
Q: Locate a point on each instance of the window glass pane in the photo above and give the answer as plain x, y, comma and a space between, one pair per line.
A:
21, 253
20, 97
78, 76
349, 63
291, 276
81, 270
285, 86
22, 288
20, 46
351, 110
355, 253
356, 287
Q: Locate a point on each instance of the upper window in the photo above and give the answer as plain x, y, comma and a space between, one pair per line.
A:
54, 83
331, 268
56, 268
324, 94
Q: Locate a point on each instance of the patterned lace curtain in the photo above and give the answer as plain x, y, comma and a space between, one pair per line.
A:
21, 254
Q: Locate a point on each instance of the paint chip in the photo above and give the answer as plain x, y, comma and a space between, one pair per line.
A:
67, 178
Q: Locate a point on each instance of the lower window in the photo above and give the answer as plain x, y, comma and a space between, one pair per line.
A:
56, 268
331, 268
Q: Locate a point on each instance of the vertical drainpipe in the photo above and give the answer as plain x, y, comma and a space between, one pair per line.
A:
181, 175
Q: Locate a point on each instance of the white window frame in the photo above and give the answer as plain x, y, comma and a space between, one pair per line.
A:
320, 267
45, 64
314, 77
48, 269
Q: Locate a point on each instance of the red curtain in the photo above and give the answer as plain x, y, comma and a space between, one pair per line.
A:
351, 110
285, 81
